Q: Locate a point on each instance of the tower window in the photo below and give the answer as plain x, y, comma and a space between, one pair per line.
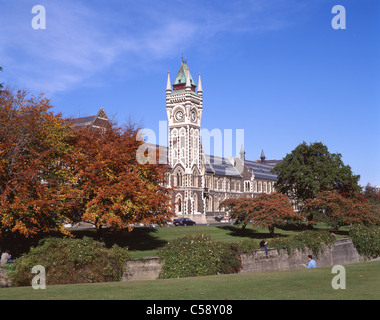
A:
179, 179
247, 186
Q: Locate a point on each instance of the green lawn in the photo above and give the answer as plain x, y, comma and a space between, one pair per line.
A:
362, 282
143, 242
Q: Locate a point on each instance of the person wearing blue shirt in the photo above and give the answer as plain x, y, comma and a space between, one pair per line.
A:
311, 263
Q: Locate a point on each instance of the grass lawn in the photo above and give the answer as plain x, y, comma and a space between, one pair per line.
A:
362, 282
143, 242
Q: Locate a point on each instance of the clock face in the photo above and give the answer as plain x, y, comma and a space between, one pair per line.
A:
193, 115
179, 115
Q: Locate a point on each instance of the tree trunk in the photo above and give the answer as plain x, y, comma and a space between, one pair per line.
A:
99, 231
310, 218
271, 230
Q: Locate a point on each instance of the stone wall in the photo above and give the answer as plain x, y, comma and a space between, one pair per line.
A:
342, 252
142, 269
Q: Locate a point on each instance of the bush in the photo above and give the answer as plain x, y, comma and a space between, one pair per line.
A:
197, 255
314, 240
366, 240
248, 246
68, 261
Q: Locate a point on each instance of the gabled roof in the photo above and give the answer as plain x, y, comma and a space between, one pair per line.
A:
261, 170
82, 122
221, 166
99, 120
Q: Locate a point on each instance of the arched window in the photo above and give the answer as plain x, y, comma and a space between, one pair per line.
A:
178, 207
195, 147
195, 203
182, 137
175, 145
179, 179
216, 204
195, 175
209, 204
167, 179
208, 182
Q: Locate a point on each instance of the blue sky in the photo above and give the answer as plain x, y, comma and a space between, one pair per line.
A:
275, 68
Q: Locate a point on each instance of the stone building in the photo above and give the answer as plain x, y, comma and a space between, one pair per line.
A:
200, 181
99, 121
203, 181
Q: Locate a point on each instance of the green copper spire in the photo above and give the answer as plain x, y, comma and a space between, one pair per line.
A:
180, 79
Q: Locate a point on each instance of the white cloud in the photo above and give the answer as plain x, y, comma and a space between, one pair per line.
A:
83, 38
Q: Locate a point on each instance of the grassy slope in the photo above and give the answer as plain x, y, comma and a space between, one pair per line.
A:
144, 242
363, 282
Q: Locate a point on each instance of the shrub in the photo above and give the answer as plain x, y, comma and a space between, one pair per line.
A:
314, 240
197, 255
247, 246
366, 240
68, 261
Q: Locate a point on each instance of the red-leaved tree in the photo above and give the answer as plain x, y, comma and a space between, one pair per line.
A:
111, 187
32, 180
336, 210
264, 209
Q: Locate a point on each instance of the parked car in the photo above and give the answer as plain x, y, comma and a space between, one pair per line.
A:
184, 222
222, 219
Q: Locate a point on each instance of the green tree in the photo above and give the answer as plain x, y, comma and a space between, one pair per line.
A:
310, 169
372, 195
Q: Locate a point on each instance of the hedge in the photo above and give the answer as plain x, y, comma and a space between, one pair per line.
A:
197, 255
68, 261
366, 240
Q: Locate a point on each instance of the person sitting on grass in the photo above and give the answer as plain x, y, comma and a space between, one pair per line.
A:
311, 263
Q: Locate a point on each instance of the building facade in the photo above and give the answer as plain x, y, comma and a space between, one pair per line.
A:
201, 182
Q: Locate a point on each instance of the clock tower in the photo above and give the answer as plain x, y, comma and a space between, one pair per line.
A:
184, 111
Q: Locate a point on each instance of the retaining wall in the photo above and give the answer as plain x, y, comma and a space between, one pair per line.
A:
342, 252
142, 269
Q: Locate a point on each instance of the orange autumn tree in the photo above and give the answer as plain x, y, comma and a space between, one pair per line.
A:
265, 209
336, 210
112, 188
32, 181
240, 210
